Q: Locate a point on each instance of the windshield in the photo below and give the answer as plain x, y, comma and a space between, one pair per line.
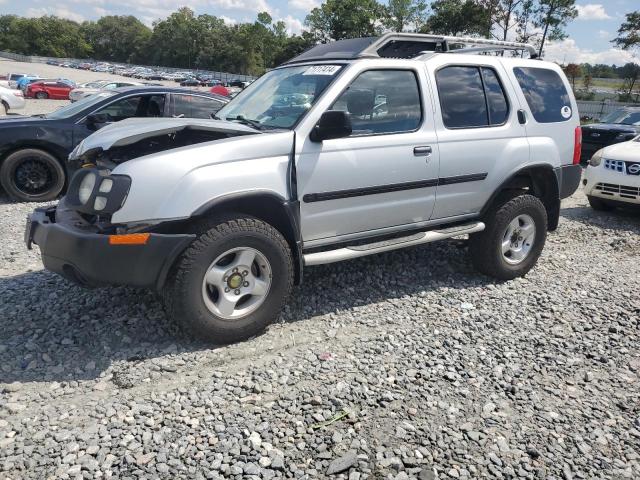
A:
75, 108
623, 117
280, 97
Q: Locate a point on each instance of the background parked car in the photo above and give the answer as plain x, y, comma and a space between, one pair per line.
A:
618, 126
33, 150
10, 99
54, 90
81, 92
14, 77
22, 82
612, 178
191, 82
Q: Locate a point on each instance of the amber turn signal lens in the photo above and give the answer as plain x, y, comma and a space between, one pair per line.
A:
129, 239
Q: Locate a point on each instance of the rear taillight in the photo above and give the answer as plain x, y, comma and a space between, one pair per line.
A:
18, 93
577, 145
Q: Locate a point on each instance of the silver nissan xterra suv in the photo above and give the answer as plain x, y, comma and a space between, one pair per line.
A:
352, 148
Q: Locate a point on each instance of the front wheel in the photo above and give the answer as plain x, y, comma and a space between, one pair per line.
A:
600, 204
42, 95
513, 239
231, 282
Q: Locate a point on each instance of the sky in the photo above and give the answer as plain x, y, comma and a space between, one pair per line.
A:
589, 35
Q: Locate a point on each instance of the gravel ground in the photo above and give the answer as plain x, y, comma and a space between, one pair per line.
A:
35, 107
376, 370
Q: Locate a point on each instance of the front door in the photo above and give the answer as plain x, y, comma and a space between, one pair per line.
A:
383, 177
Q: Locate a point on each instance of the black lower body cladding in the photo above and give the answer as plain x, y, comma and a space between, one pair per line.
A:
89, 259
568, 179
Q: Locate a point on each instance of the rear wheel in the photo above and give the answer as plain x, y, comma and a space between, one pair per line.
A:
600, 204
3, 109
513, 239
42, 95
32, 175
231, 282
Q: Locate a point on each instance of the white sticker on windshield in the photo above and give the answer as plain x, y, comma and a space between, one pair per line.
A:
322, 70
565, 112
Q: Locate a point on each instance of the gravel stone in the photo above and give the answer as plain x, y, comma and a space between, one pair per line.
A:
415, 365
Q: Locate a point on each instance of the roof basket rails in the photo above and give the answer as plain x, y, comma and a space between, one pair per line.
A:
443, 43
407, 45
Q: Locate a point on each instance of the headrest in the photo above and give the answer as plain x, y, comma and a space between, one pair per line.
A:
360, 102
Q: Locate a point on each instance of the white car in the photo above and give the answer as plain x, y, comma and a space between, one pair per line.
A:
10, 99
612, 177
95, 87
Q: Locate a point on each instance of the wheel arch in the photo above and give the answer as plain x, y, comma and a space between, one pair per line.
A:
267, 206
539, 180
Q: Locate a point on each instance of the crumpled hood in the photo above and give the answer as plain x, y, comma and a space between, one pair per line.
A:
132, 130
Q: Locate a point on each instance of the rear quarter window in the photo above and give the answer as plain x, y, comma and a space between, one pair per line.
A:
546, 94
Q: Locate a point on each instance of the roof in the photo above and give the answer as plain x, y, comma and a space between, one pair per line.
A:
404, 45
164, 89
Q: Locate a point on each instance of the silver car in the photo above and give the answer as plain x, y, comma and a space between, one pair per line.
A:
10, 99
99, 86
350, 149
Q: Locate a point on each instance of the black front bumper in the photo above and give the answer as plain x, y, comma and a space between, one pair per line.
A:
88, 258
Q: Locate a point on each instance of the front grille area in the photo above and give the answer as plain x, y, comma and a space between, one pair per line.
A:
615, 165
623, 191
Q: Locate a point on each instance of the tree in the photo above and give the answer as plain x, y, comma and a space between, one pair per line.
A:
573, 71
629, 32
401, 14
457, 17
630, 73
552, 16
340, 19
118, 38
586, 81
503, 15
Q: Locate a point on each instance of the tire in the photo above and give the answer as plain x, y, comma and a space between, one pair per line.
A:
514, 215
197, 305
600, 204
32, 175
42, 95
4, 108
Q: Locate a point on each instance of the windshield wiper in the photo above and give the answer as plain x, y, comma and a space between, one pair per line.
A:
247, 121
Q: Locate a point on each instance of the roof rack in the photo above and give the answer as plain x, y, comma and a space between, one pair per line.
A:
406, 45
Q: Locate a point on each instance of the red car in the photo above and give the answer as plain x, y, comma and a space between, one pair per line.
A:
54, 90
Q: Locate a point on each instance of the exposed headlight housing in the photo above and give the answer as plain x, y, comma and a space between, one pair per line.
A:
624, 136
86, 187
596, 158
95, 191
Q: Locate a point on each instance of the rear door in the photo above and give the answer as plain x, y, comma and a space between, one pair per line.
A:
550, 109
479, 136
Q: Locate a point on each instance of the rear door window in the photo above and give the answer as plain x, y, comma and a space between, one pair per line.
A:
546, 94
462, 97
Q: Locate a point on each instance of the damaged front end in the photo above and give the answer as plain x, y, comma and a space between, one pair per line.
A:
138, 137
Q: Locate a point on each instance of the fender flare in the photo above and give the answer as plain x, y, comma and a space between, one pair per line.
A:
288, 218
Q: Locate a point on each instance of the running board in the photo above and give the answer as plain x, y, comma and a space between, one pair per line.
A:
348, 253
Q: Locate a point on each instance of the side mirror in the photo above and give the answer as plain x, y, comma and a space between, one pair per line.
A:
332, 124
96, 120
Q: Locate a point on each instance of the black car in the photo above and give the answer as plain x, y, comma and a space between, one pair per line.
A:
191, 82
618, 126
33, 150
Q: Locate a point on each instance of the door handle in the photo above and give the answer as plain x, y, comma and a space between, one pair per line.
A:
422, 151
522, 117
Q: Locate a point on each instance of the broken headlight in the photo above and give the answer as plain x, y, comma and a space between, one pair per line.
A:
95, 191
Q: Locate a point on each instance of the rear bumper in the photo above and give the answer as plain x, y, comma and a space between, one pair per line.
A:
568, 179
88, 259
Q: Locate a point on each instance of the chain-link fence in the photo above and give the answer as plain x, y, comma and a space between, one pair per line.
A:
598, 109
222, 76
